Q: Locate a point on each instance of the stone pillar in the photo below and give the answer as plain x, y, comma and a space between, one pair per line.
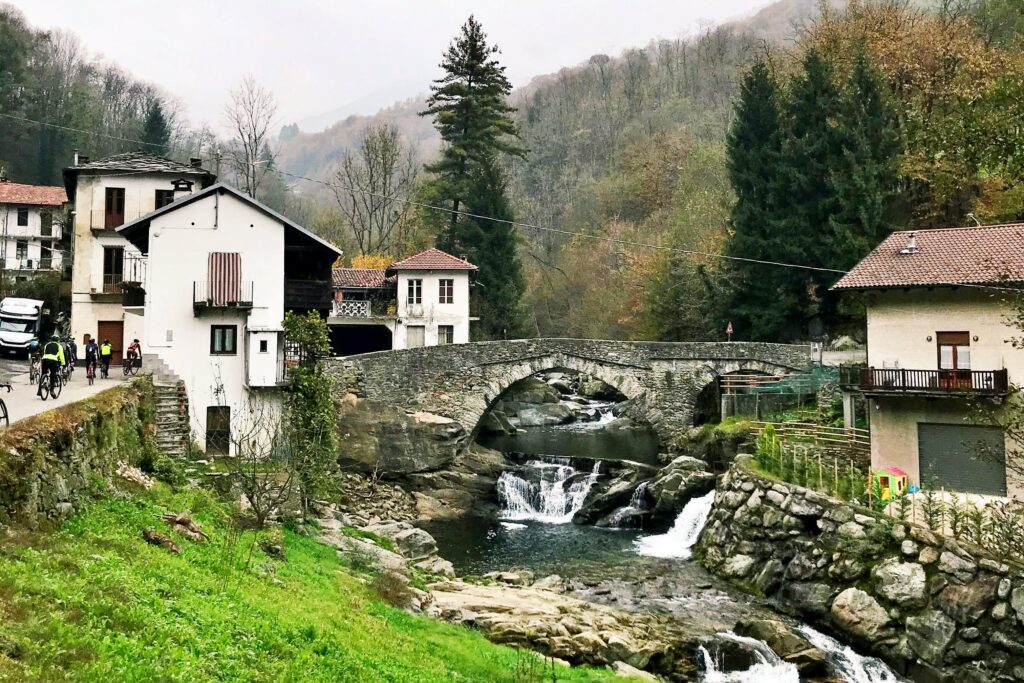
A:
849, 409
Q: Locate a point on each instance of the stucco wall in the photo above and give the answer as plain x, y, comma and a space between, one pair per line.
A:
431, 312
31, 233
179, 247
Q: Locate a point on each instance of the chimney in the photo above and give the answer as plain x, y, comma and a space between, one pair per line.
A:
195, 162
911, 247
182, 188
76, 158
3, 175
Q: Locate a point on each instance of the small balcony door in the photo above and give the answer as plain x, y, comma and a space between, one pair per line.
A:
113, 208
954, 352
113, 269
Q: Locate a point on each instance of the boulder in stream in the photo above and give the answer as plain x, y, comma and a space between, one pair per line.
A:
545, 414
787, 643
679, 481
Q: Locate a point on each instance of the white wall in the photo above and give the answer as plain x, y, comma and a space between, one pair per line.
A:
179, 245
88, 303
32, 233
431, 313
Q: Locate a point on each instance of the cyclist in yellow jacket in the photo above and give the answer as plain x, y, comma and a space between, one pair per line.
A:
53, 360
106, 354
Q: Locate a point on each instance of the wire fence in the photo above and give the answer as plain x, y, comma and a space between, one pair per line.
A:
993, 523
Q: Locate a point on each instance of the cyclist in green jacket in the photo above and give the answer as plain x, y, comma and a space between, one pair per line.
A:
53, 360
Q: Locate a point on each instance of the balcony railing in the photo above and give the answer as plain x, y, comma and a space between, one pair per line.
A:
905, 381
211, 295
132, 274
351, 309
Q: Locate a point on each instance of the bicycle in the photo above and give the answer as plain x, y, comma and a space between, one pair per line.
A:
33, 368
105, 367
47, 388
66, 372
131, 366
5, 420
90, 371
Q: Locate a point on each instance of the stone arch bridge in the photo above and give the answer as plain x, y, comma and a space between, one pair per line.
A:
461, 382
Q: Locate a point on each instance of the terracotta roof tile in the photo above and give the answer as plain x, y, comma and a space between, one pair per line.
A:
986, 254
36, 195
432, 259
372, 278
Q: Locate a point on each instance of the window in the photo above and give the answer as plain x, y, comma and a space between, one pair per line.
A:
163, 198
954, 350
21, 250
446, 291
415, 292
113, 207
22, 216
223, 340
113, 269
414, 336
46, 223
218, 430
264, 346
445, 334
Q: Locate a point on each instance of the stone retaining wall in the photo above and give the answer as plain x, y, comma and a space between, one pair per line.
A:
51, 463
933, 608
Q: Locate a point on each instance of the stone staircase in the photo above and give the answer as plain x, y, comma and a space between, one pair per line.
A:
172, 418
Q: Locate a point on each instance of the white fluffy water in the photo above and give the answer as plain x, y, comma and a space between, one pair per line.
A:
769, 667
555, 495
680, 539
847, 664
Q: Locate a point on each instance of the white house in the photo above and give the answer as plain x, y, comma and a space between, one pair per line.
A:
221, 271
422, 300
107, 269
30, 228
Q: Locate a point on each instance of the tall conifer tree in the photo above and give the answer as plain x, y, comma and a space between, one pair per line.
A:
156, 132
866, 179
754, 150
470, 111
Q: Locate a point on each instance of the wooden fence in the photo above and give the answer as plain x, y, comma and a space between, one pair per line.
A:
841, 439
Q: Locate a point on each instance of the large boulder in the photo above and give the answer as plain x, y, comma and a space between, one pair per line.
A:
531, 390
545, 414
904, 583
929, 634
859, 615
605, 499
496, 422
465, 487
595, 388
807, 598
788, 644
676, 483
382, 439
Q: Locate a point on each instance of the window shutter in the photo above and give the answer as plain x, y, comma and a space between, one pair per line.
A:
225, 277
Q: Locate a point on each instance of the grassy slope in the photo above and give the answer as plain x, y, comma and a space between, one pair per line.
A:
93, 602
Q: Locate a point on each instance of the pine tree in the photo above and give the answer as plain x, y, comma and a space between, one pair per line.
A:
754, 150
807, 200
866, 179
156, 132
471, 113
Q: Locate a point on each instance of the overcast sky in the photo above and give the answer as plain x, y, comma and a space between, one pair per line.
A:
320, 56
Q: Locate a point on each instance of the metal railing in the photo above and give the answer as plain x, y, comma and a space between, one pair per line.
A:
901, 380
133, 273
206, 294
351, 309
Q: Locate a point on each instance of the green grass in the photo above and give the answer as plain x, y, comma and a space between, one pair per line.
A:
91, 601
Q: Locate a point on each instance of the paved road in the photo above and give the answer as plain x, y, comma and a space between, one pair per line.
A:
22, 401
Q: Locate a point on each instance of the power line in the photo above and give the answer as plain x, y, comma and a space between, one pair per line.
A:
560, 231
79, 130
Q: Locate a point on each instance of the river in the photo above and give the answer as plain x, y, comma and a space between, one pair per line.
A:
550, 471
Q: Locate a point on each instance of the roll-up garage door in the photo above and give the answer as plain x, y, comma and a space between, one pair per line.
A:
964, 458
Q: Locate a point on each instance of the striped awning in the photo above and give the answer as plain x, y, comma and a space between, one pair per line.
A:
225, 277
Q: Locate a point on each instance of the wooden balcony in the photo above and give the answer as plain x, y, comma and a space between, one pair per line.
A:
210, 295
897, 381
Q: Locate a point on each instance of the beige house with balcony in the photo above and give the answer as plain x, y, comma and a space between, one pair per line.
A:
939, 346
107, 270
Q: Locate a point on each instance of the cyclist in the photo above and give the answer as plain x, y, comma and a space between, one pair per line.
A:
53, 360
33, 359
92, 357
106, 354
134, 351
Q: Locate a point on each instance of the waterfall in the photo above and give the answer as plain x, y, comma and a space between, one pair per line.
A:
847, 664
555, 495
768, 667
636, 505
678, 540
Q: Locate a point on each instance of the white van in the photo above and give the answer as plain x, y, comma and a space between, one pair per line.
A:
19, 324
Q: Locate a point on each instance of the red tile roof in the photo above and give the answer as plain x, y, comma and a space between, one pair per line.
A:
35, 195
986, 254
372, 278
432, 259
